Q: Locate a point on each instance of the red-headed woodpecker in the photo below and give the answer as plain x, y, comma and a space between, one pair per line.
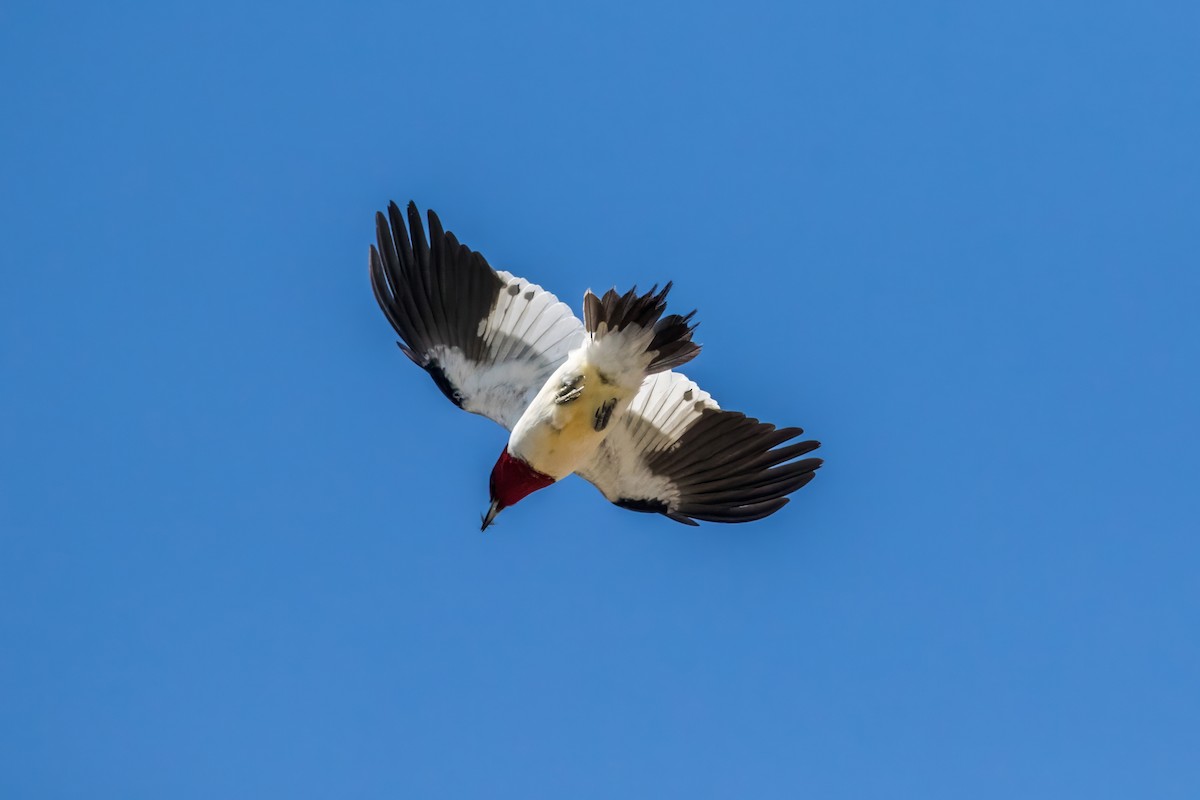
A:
598, 398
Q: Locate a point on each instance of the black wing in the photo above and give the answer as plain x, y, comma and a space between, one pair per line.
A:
488, 339
675, 452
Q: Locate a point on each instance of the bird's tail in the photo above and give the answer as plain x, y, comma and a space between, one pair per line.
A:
663, 342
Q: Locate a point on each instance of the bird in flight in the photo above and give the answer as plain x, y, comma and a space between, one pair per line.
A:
598, 398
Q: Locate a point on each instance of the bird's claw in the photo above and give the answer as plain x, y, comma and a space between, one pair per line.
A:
572, 388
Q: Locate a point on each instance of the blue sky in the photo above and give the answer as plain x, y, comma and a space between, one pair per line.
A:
239, 546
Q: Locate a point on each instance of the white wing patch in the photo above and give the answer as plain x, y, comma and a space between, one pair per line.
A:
666, 405
527, 335
528, 319
496, 391
663, 409
676, 452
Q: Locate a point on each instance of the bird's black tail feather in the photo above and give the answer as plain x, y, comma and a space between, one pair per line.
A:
671, 343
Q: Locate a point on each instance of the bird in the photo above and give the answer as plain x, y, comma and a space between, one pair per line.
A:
598, 397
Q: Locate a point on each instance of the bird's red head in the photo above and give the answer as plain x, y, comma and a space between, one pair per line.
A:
512, 480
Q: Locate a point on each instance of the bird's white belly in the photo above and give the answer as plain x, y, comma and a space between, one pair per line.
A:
557, 438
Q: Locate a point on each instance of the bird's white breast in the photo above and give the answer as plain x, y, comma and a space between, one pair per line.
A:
556, 438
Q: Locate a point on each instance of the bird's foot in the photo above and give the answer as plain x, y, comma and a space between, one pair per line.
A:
571, 390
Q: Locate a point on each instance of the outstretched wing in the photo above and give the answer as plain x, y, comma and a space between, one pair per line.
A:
675, 452
489, 340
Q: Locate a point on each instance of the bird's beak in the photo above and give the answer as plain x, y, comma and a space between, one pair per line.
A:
490, 516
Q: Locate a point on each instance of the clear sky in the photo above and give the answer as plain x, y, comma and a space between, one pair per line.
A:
239, 545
